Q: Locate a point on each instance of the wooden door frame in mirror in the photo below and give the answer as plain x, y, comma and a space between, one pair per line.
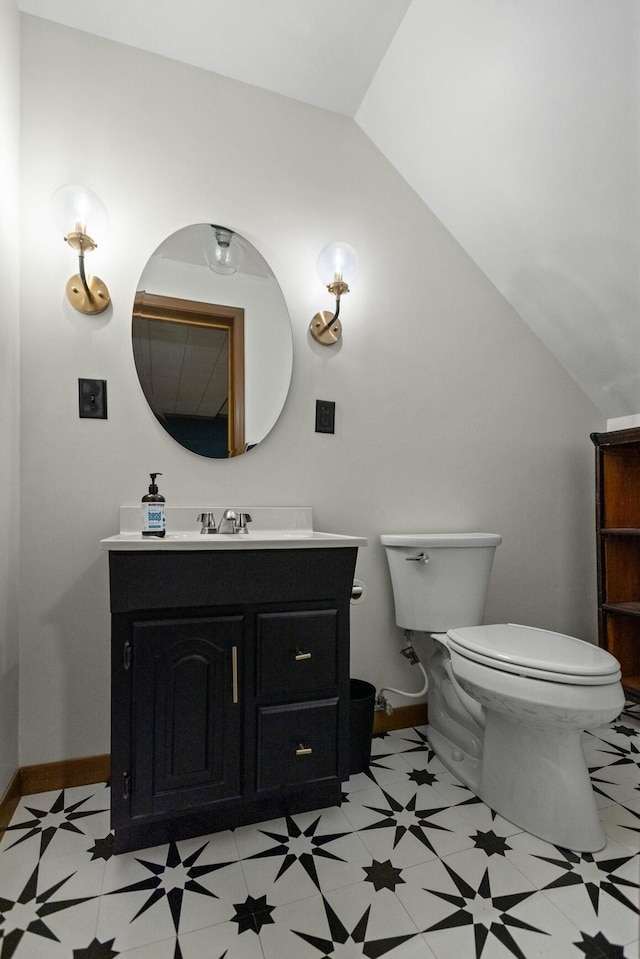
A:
153, 306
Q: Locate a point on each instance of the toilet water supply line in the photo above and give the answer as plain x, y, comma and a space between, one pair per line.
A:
382, 703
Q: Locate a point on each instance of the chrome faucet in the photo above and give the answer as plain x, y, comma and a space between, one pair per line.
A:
208, 522
241, 521
233, 522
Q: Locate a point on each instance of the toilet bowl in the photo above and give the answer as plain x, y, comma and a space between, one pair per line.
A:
507, 703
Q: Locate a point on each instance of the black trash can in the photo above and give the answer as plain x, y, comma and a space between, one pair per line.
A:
363, 698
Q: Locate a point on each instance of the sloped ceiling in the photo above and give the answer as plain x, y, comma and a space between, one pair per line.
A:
324, 53
516, 121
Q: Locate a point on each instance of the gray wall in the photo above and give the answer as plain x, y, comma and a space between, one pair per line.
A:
450, 412
9, 380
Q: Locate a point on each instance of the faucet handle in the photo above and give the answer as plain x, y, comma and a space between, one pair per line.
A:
208, 522
241, 522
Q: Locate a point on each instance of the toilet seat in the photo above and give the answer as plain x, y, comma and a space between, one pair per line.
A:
537, 653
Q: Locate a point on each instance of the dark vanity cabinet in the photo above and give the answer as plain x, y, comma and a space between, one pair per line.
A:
230, 687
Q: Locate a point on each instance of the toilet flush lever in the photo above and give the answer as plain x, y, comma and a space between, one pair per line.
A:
420, 558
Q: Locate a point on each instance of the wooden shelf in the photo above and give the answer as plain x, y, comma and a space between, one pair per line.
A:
618, 554
630, 531
625, 609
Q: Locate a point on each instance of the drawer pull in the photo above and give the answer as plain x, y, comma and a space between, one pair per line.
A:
303, 750
300, 656
234, 668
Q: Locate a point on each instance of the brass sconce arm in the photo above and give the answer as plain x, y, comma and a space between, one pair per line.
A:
337, 288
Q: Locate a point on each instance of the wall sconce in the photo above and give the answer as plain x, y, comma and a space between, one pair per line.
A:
224, 254
75, 211
337, 267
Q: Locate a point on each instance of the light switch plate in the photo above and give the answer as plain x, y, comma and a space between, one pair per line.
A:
92, 399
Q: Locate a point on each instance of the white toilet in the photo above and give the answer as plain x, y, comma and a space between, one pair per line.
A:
507, 703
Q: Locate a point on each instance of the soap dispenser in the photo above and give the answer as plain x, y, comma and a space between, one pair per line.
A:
153, 516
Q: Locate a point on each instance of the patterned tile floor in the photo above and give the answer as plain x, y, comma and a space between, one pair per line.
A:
412, 866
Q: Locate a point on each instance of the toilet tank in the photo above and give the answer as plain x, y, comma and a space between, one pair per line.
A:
440, 580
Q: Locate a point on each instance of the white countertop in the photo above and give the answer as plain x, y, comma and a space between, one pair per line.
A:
271, 528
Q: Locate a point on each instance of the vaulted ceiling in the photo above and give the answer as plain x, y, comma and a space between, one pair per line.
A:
516, 121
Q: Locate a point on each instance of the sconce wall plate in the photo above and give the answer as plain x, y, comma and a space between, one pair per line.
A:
323, 331
90, 297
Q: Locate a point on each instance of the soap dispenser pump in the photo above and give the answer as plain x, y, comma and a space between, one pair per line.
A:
153, 516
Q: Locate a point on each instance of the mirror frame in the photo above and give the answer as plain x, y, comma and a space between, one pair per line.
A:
151, 306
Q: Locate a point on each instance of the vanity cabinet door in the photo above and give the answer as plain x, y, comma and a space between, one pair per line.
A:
186, 713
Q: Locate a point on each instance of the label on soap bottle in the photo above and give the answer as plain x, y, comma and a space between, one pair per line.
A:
153, 518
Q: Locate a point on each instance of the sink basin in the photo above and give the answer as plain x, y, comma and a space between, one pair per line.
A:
271, 528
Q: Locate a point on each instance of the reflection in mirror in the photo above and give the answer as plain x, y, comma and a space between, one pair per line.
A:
212, 341
200, 402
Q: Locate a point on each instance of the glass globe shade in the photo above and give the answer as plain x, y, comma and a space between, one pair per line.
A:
224, 255
338, 261
75, 209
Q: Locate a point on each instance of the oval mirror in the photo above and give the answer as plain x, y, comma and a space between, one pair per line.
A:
212, 341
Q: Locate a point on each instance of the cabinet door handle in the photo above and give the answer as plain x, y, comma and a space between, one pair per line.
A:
303, 750
234, 673
128, 652
126, 785
300, 655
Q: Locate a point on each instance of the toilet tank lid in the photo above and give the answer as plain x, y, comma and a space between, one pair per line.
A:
436, 540
535, 648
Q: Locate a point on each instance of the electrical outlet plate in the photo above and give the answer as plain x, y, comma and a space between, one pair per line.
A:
92, 399
325, 416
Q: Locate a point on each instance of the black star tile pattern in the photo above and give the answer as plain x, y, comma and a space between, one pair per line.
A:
38, 906
103, 848
252, 914
635, 814
383, 875
422, 819
421, 777
418, 743
463, 913
339, 934
175, 892
377, 762
96, 950
281, 848
46, 822
625, 731
33, 911
607, 884
491, 843
599, 947
622, 755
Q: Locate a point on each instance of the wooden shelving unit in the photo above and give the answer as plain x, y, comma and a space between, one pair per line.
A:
618, 550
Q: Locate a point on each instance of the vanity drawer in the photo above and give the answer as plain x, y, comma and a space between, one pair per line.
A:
297, 743
296, 651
